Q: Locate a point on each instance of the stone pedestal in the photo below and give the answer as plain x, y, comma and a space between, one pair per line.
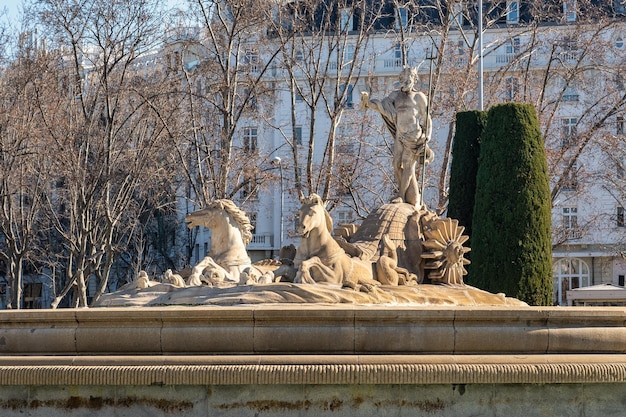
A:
304, 360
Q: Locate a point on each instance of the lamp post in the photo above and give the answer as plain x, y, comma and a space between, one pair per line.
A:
277, 161
431, 57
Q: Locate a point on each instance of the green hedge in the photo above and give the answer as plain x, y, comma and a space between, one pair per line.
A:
511, 241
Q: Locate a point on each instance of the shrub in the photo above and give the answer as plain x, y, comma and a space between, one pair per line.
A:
511, 241
464, 166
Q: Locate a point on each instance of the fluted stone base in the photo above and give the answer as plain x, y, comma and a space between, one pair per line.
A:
304, 360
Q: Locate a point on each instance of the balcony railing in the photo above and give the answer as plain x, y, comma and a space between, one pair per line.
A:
262, 241
569, 56
573, 234
504, 58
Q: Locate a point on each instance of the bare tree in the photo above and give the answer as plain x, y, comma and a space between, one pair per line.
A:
572, 72
323, 49
106, 148
23, 162
220, 55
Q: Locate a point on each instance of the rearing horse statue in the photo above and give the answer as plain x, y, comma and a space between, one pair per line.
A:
319, 258
231, 231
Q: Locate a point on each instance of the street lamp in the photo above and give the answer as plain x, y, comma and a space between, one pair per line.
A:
277, 161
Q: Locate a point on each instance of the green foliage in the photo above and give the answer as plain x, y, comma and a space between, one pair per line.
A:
511, 241
464, 166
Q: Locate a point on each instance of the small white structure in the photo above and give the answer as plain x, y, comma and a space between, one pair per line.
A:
606, 295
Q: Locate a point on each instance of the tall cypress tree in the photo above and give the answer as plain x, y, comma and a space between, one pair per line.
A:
464, 166
511, 242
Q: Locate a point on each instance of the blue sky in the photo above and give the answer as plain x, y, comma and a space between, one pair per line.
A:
13, 7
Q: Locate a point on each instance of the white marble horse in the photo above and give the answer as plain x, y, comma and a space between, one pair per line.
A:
319, 258
231, 231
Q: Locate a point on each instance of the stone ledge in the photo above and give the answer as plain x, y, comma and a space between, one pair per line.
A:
313, 329
314, 370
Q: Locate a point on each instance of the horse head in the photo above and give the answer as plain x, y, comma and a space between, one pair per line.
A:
216, 215
313, 215
204, 217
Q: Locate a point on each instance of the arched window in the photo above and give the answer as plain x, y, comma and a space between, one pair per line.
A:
569, 273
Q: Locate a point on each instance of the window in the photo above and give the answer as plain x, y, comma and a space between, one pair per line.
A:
513, 46
620, 216
297, 135
619, 82
249, 188
345, 217
569, 273
568, 130
570, 222
3, 296
252, 102
511, 49
619, 42
299, 98
460, 48
402, 18
397, 53
457, 55
456, 14
348, 95
249, 139
620, 163
619, 126
349, 54
571, 94
569, 10
92, 287
512, 89
512, 12
32, 295
346, 22
570, 217
345, 140
570, 179
568, 49
251, 58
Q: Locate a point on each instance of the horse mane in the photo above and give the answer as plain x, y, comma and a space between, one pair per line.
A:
316, 199
240, 217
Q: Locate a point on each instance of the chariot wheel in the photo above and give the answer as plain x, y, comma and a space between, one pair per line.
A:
444, 254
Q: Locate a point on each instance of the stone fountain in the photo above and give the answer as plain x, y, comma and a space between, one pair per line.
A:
365, 321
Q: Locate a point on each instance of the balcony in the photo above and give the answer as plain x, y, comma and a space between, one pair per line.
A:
263, 241
573, 234
504, 59
569, 56
393, 65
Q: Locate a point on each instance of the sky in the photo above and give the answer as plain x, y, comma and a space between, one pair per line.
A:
13, 8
